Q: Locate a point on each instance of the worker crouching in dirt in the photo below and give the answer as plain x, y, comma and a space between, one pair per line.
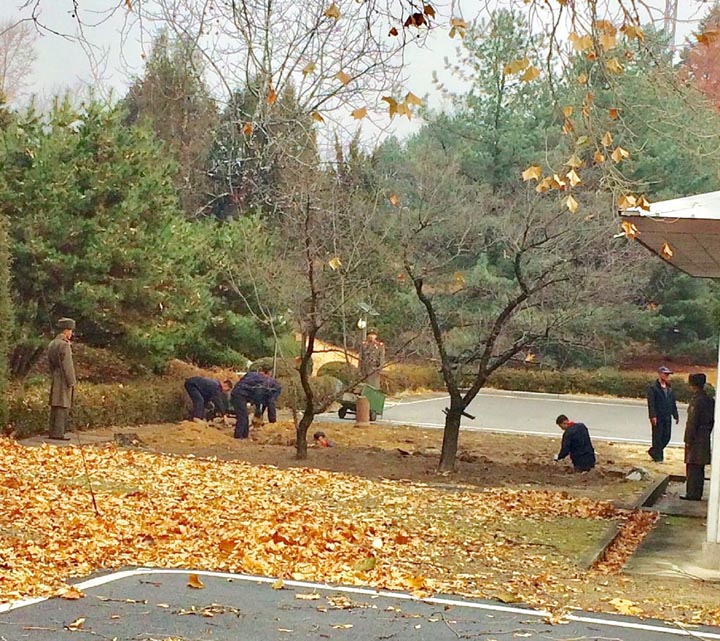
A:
576, 443
260, 389
203, 391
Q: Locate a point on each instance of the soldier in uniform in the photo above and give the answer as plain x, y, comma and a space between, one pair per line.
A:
700, 422
372, 358
62, 373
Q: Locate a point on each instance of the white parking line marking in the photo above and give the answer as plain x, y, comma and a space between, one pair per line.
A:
596, 620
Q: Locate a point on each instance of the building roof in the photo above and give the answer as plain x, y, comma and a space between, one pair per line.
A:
684, 232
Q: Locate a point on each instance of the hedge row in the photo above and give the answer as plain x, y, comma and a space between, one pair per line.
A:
601, 382
154, 400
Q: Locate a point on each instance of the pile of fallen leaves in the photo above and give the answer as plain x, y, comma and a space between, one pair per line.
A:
299, 523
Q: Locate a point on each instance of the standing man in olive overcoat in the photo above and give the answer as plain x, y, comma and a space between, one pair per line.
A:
62, 373
700, 422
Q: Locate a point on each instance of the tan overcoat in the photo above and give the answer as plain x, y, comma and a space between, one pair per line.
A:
62, 372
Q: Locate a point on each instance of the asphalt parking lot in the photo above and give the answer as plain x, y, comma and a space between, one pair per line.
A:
158, 605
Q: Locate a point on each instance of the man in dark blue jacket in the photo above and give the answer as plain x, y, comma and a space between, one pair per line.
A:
260, 389
576, 442
205, 390
662, 408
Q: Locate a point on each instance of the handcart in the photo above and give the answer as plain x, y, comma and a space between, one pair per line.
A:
376, 399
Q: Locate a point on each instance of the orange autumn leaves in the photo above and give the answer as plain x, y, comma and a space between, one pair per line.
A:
298, 524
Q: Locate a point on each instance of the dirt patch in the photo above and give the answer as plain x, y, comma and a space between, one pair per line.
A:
409, 453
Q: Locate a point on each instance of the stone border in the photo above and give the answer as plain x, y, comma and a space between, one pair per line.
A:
594, 555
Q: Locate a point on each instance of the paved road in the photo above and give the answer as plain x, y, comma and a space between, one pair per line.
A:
528, 413
145, 605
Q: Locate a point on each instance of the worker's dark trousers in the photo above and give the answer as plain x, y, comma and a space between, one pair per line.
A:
198, 400
242, 425
695, 475
58, 421
660, 437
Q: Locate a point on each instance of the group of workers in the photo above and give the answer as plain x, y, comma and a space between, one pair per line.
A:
258, 389
662, 409
261, 390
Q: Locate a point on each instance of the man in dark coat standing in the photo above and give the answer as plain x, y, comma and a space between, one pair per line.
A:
202, 391
260, 389
576, 443
662, 408
62, 374
700, 422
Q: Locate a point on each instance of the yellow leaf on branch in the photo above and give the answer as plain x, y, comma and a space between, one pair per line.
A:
530, 74
567, 111
544, 185
631, 231
534, 172
613, 65
335, 263
573, 178
607, 139
571, 204
574, 161
394, 200
516, 66
308, 68
457, 27
429, 11
317, 117
412, 99
619, 154
343, 77
247, 128
582, 79
627, 201
599, 157
607, 41
580, 43
359, 113
643, 203
633, 32
333, 11
271, 97
614, 113
392, 105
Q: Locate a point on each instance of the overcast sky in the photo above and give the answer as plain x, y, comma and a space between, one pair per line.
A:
65, 64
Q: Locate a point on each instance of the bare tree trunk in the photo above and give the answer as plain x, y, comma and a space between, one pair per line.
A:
308, 347
451, 437
301, 435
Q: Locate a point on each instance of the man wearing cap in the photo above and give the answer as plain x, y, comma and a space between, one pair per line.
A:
662, 408
700, 422
372, 358
62, 373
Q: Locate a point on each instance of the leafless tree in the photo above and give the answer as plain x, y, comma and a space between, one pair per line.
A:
17, 55
548, 271
310, 264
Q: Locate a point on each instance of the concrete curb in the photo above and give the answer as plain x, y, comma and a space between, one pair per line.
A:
573, 397
644, 501
596, 554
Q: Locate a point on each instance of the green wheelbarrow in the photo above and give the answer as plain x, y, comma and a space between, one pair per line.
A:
348, 402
